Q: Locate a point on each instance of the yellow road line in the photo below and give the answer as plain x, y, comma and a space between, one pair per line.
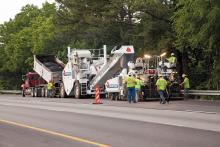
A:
55, 133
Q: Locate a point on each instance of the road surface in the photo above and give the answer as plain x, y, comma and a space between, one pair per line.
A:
44, 122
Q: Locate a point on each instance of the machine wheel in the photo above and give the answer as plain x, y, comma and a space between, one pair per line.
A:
33, 92
77, 90
62, 91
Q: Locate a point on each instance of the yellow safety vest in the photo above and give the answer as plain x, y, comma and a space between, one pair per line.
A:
131, 82
161, 84
171, 59
138, 84
49, 86
186, 83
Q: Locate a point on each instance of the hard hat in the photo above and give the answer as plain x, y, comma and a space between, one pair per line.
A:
183, 75
131, 73
160, 75
172, 54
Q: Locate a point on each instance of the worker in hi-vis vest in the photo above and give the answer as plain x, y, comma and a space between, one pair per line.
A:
161, 87
185, 85
138, 85
131, 81
49, 88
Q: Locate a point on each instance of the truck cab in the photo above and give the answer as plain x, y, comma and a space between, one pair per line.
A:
30, 80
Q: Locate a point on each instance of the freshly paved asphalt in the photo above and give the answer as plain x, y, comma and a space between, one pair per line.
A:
118, 124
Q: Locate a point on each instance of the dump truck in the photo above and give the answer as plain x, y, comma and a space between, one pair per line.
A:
46, 68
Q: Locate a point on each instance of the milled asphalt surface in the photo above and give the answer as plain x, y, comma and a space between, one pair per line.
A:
177, 105
180, 123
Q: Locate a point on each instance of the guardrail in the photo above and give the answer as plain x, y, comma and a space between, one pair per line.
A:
205, 92
191, 92
10, 91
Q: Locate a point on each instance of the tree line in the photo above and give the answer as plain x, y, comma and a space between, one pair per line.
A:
189, 28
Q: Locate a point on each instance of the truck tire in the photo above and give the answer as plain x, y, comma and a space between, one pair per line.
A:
62, 91
39, 90
43, 92
33, 92
46, 93
23, 93
77, 90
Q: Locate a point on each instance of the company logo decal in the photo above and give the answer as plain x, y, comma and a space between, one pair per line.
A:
128, 49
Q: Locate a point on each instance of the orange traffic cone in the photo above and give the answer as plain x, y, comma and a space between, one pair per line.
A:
97, 95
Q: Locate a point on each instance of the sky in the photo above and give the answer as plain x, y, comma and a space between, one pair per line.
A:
9, 8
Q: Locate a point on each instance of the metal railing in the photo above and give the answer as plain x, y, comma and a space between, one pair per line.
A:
204, 92
10, 91
191, 92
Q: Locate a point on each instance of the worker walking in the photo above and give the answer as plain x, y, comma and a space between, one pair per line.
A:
185, 85
131, 81
161, 87
138, 84
49, 88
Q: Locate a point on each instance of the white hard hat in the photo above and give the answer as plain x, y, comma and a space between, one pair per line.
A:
183, 75
160, 75
172, 54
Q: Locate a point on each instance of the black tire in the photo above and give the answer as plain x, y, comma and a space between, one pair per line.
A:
62, 91
36, 92
23, 93
33, 92
77, 90
46, 92
43, 92
39, 92
53, 93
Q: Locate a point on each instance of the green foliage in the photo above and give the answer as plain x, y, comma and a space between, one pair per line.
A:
197, 27
144, 24
31, 32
